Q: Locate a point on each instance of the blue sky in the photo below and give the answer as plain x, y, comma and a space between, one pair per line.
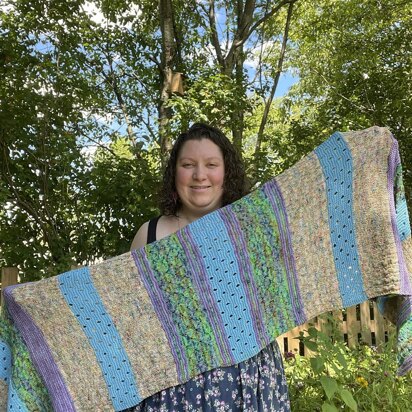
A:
285, 82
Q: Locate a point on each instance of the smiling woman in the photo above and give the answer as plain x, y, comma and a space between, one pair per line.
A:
200, 174
204, 173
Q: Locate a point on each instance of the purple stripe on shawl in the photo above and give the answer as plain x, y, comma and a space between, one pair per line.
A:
160, 307
394, 160
405, 367
236, 236
275, 197
404, 311
206, 296
40, 354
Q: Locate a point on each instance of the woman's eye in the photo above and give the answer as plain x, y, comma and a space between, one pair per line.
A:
212, 165
187, 165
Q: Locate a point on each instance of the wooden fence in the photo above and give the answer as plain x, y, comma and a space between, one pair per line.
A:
9, 276
360, 323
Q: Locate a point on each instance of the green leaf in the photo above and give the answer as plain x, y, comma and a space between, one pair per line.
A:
313, 332
335, 368
317, 364
313, 346
327, 407
341, 358
348, 399
329, 385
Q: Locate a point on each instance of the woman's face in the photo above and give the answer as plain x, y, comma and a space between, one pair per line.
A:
200, 173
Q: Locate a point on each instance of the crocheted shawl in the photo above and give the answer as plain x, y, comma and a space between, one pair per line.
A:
330, 232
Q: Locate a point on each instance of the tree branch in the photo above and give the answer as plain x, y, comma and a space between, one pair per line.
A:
267, 16
112, 81
361, 108
168, 58
275, 83
258, 72
45, 181
96, 142
214, 34
178, 41
149, 127
30, 208
245, 17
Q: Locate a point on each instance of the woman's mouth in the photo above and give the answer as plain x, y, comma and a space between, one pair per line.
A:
199, 187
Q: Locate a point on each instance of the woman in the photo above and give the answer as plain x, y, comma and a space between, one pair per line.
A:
204, 173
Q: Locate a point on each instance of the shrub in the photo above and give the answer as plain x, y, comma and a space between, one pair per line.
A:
337, 378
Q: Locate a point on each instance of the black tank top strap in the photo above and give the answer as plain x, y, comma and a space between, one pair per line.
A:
151, 230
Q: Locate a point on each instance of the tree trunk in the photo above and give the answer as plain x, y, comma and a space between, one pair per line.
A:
232, 63
268, 103
167, 59
238, 110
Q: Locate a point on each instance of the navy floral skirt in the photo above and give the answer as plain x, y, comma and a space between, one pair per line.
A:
257, 384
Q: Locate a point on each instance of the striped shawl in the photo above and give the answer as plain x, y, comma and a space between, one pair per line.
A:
330, 232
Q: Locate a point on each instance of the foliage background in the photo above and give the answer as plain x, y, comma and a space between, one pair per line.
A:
87, 116
336, 378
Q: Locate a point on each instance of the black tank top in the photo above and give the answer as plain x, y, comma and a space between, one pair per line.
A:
151, 230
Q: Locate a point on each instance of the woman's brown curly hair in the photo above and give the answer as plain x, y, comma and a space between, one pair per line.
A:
234, 184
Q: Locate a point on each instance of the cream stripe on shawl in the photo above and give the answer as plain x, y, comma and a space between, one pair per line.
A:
303, 189
3, 391
135, 318
50, 318
372, 203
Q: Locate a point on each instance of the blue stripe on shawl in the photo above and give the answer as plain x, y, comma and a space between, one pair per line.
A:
205, 293
402, 220
14, 403
274, 195
84, 301
221, 266
163, 314
5, 358
239, 242
336, 161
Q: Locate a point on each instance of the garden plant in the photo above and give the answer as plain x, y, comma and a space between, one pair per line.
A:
338, 378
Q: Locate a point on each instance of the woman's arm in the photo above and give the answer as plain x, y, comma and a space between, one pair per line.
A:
140, 238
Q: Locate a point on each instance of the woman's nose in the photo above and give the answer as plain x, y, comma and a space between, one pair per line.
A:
199, 173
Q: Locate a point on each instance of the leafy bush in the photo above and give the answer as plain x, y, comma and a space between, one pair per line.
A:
337, 378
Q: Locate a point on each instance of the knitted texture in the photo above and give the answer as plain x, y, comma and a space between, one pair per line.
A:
328, 233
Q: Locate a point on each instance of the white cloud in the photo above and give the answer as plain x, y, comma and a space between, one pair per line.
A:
103, 118
6, 7
89, 151
94, 13
253, 58
97, 16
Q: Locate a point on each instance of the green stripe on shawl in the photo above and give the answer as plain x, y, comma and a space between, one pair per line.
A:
195, 331
26, 380
261, 233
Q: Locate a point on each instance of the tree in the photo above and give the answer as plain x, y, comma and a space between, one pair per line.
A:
354, 63
53, 88
86, 103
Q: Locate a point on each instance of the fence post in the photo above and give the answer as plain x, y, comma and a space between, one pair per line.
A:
366, 326
381, 326
9, 276
353, 326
